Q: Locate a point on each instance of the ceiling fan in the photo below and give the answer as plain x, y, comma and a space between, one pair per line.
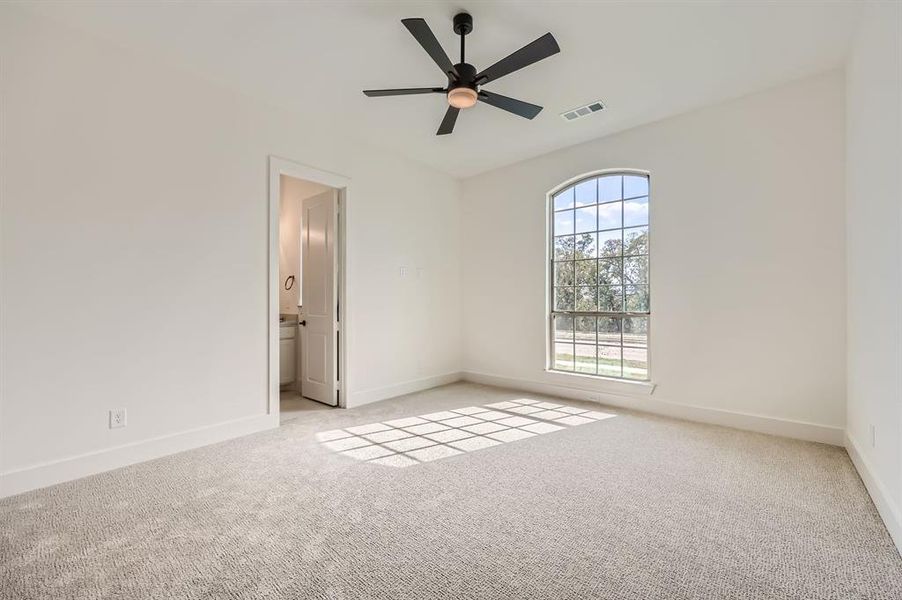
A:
464, 81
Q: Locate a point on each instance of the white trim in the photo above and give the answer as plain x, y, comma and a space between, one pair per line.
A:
67, 469
597, 173
399, 389
282, 166
889, 512
605, 385
802, 430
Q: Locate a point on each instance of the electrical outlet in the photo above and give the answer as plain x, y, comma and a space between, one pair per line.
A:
873, 436
403, 272
117, 418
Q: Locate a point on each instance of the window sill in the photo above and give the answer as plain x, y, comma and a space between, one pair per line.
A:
599, 383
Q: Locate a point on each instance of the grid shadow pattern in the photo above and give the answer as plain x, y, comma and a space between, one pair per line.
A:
424, 438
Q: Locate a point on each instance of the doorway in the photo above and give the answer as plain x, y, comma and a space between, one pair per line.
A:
306, 289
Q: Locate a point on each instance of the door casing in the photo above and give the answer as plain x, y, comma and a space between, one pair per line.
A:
280, 166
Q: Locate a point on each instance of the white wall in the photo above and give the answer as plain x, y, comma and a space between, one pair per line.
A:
292, 193
130, 190
874, 255
747, 260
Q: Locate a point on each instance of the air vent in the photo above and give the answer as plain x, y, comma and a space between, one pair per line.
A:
583, 111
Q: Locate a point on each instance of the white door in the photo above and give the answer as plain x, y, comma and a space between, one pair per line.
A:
318, 295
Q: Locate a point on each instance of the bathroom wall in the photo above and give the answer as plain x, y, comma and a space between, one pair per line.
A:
294, 191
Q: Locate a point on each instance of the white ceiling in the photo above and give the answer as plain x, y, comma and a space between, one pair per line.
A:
645, 60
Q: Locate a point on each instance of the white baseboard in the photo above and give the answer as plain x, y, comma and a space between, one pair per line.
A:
889, 512
67, 469
408, 387
775, 426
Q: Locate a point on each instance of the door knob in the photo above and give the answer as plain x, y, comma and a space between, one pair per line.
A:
302, 323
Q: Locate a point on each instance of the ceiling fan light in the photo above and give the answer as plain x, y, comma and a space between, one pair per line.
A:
462, 97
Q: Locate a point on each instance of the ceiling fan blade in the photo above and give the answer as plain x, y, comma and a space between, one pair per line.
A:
518, 107
447, 125
531, 53
403, 92
420, 30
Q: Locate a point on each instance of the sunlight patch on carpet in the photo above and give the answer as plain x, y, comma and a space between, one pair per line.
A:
409, 441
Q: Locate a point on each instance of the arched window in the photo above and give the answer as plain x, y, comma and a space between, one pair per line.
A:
599, 286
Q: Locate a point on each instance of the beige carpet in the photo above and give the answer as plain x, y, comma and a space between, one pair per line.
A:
504, 499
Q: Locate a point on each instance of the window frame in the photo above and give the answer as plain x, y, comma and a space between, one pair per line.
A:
550, 312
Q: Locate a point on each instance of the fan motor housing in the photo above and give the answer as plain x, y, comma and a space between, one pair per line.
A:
467, 73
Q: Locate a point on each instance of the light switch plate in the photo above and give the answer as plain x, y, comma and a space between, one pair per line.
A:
118, 418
